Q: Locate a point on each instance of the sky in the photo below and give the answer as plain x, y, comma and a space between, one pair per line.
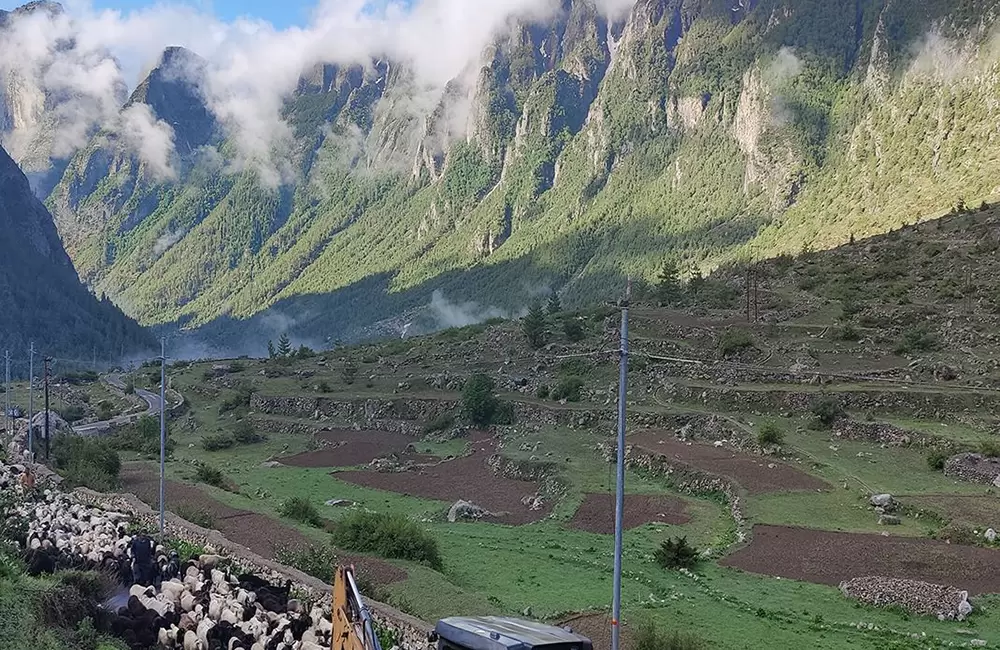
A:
280, 13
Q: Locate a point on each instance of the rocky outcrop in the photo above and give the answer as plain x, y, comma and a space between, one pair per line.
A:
946, 603
975, 468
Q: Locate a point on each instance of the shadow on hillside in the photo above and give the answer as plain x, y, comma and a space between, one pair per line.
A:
509, 287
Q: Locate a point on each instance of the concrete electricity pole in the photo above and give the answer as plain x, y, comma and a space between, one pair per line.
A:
47, 361
7, 415
31, 400
163, 427
616, 607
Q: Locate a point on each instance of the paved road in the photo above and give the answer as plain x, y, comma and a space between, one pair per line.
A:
96, 428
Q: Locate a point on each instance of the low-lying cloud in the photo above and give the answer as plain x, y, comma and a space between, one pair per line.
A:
452, 314
89, 59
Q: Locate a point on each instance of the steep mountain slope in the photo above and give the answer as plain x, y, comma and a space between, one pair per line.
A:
41, 297
576, 151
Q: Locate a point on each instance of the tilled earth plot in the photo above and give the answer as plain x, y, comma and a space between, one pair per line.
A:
468, 478
829, 558
349, 448
259, 533
757, 474
597, 512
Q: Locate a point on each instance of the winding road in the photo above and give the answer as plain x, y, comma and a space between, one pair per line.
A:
96, 428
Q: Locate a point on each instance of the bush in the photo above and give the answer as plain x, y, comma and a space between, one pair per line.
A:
197, 516
577, 367
479, 404
734, 341
217, 442
676, 553
388, 535
917, 339
104, 410
936, 460
990, 448
245, 434
442, 422
770, 434
317, 561
300, 509
542, 392
210, 475
846, 333
87, 462
349, 373
649, 637
826, 412
573, 331
71, 413
142, 437
241, 399
569, 389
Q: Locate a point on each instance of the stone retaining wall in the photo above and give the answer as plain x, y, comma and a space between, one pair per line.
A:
975, 468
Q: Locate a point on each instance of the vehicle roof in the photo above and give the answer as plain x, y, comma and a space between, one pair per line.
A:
514, 634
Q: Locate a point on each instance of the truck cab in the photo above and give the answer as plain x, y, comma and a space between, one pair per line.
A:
501, 633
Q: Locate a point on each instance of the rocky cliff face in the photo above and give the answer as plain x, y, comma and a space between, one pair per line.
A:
41, 296
573, 151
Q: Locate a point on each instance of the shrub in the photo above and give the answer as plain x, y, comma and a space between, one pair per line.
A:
241, 399
104, 410
317, 561
323, 387
826, 412
245, 434
442, 422
649, 637
142, 437
197, 516
569, 389
349, 373
734, 341
210, 475
87, 462
542, 392
917, 339
573, 331
990, 448
936, 460
676, 553
846, 333
387, 535
302, 510
479, 403
578, 367
770, 434
71, 413
218, 441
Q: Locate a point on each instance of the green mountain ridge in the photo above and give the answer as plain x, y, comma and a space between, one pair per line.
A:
574, 153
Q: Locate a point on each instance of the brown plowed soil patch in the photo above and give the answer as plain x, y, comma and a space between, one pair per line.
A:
597, 512
829, 558
468, 478
349, 448
259, 533
754, 473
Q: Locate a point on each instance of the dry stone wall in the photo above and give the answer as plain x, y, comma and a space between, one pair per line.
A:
975, 468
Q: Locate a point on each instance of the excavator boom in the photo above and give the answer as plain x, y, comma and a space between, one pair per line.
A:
352, 623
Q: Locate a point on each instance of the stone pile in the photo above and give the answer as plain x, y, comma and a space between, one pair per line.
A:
975, 468
924, 598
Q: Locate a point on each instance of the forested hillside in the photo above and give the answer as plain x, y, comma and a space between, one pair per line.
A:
574, 152
41, 297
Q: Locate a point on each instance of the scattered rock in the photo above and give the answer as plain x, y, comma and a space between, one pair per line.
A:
944, 602
466, 510
990, 535
888, 520
340, 502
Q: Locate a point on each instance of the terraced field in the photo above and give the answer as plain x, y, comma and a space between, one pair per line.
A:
863, 378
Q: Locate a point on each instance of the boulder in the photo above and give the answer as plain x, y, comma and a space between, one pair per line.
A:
888, 520
466, 510
884, 501
990, 535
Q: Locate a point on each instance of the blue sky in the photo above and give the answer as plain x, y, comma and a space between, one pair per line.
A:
280, 13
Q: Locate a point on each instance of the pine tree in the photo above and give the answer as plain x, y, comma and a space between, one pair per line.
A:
555, 305
534, 326
668, 288
270, 349
284, 346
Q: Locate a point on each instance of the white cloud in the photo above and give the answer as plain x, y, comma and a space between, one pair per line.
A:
151, 139
785, 67
90, 57
166, 240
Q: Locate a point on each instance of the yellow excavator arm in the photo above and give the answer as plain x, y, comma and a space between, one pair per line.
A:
352, 623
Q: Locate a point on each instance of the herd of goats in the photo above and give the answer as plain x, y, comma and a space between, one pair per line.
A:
191, 605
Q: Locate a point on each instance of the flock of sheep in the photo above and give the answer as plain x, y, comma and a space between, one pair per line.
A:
194, 605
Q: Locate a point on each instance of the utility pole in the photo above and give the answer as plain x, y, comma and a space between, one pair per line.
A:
616, 607
163, 426
8, 417
47, 361
31, 400
747, 283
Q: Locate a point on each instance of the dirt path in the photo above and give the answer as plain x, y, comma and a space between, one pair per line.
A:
829, 558
260, 533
